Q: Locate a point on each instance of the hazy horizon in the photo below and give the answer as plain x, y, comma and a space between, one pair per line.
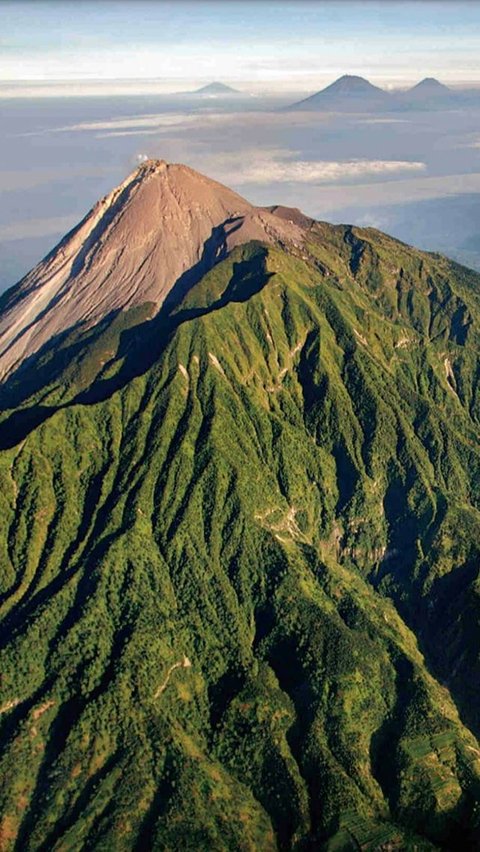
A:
303, 44
137, 87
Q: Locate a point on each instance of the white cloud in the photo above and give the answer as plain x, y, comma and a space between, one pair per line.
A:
156, 120
272, 166
382, 121
140, 125
116, 133
475, 143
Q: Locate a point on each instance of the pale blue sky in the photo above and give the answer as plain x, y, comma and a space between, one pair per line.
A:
255, 44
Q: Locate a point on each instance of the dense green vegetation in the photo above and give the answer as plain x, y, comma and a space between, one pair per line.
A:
278, 479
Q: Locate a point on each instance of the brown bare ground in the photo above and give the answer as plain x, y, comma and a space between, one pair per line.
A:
130, 250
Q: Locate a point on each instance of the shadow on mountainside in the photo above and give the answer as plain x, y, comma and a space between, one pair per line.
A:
387, 763
447, 627
136, 347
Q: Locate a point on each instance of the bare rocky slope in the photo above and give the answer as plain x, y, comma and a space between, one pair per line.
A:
131, 249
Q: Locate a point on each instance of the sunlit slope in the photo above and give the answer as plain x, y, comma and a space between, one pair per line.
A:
287, 495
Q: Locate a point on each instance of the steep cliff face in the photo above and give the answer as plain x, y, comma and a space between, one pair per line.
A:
239, 552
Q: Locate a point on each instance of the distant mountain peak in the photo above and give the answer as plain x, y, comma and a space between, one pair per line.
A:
431, 85
348, 93
216, 88
352, 83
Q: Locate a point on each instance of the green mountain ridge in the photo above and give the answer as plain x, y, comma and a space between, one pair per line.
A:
239, 552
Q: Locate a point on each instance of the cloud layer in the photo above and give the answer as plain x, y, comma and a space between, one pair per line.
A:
266, 169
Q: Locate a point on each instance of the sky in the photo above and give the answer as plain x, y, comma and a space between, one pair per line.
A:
258, 45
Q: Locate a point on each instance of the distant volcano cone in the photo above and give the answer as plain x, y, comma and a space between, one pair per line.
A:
430, 86
347, 94
427, 94
216, 89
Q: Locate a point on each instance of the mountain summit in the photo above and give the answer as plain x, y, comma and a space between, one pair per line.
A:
347, 94
428, 94
355, 94
239, 534
131, 249
216, 89
430, 85
351, 85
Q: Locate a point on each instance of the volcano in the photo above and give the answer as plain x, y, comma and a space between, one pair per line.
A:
348, 94
239, 533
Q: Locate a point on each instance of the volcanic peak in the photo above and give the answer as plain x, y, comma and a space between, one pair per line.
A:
350, 84
131, 249
430, 85
216, 88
